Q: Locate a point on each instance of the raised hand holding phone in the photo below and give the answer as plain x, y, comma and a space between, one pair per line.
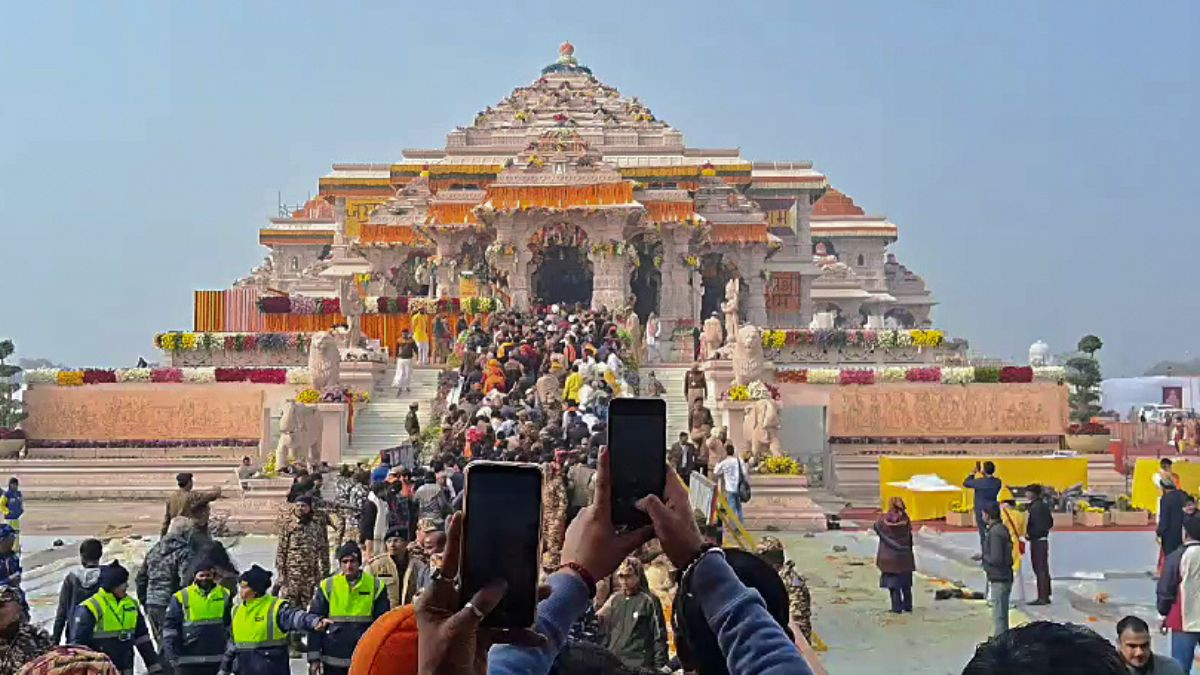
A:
592, 541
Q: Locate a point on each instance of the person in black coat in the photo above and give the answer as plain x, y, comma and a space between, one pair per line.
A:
1170, 518
1038, 532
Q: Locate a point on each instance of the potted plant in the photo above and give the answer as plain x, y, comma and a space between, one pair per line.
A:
1083, 374
1091, 516
12, 410
1125, 515
960, 515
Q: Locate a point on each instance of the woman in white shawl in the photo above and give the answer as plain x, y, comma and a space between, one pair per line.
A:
653, 332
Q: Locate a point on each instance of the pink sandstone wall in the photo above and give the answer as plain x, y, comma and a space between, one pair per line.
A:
151, 411
932, 410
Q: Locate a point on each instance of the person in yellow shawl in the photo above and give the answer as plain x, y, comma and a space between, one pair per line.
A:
421, 324
1017, 523
493, 377
572, 386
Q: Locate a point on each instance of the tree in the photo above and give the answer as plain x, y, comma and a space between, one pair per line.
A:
1083, 374
12, 411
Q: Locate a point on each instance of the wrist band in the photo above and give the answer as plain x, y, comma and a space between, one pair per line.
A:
691, 566
583, 574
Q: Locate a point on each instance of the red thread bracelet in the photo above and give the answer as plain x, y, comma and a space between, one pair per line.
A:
583, 574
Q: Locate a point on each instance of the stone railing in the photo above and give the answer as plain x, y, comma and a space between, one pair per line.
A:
229, 358
952, 353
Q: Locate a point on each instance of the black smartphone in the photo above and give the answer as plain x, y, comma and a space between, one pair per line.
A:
502, 537
637, 447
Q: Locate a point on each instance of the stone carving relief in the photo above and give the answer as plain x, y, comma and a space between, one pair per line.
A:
155, 412
971, 410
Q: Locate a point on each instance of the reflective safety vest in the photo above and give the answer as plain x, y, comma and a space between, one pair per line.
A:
351, 604
256, 624
201, 609
116, 618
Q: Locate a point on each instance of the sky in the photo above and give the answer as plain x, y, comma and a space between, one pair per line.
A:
1040, 158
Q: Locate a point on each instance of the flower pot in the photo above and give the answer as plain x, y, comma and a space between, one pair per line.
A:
1092, 444
965, 519
1093, 519
11, 447
1062, 520
1130, 518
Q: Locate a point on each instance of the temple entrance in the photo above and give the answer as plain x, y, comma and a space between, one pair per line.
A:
563, 275
646, 280
714, 274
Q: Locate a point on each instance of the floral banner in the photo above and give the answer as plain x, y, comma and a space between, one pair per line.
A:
231, 342
76, 378
888, 339
930, 374
405, 305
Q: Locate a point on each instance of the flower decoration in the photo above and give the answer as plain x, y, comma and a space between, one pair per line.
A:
774, 339
892, 374
928, 374
927, 338
857, 376
1049, 374
199, 375
133, 375
824, 376
303, 305
70, 378
275, 304
308, 396
988, 374
99, 376
41, 376
1016, 374
958, 375
782, 466
798, 376
167, 375
738, 392
298, 376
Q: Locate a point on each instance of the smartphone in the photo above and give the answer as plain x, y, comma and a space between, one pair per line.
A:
637, 450
502, 537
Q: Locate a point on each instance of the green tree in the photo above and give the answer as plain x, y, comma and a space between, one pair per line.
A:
12, 411
1083, 374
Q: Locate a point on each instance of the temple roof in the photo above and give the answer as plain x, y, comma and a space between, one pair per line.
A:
836, 215
835, 204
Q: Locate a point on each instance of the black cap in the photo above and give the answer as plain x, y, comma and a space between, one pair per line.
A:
258, 579
349, 549
395, 533
113, 575
182, 479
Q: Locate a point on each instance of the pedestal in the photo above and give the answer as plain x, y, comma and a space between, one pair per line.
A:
731, 414
333, 439
361, 375
782, 502
719, 375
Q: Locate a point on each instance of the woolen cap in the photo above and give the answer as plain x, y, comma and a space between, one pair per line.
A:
258, 579
113, 575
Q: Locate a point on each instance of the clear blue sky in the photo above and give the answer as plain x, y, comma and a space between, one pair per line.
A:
1040, 157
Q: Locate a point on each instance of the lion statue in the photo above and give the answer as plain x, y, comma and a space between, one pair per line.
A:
299, 435
747, 355
761, 427
324, 361
710, 339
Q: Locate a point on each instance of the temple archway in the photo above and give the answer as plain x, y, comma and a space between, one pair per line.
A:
645, 282
715, 272
561, 271
900, 318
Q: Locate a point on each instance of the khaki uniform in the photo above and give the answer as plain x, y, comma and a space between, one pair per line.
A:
554, 515
302, 558
715, 451
383, 567
799, 599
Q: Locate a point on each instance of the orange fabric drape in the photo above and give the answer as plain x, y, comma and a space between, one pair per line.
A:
669, 212
301, 323
451, 214
739, 234
503, 197
383, 327
390, 234
209, 311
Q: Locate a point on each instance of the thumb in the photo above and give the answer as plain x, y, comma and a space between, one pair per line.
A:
653, 507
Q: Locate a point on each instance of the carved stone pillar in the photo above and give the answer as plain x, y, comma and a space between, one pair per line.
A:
756, 301
518, 280
609, 280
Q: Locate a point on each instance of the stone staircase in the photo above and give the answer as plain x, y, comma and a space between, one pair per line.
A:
858, 477
381, 424
671, 377
118, 479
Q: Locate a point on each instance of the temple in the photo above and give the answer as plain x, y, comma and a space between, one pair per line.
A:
567, 191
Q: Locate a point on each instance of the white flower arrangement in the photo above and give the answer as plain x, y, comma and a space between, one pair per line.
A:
824, 375
41, 376
758, 390
891, 374
1049, 373
132, 374
199, 375
299, 375
958, 375
895, 338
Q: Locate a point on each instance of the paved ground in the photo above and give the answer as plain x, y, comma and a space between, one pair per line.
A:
1098, 578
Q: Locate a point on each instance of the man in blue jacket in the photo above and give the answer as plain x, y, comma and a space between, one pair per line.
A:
352, 600
987, 490
198, 618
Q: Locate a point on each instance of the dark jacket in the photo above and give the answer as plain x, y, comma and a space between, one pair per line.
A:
79, 585
268, 660
194, 645
335, 646
987, 489
997, 553
119, 650
164, 570
895, 554
1170, 519
1040, 521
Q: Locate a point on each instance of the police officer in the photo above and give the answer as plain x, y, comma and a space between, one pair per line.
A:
197, 618
111, 622
352, 599
390, 565
258, 642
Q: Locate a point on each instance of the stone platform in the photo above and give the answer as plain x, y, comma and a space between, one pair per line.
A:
782, 503
123, 479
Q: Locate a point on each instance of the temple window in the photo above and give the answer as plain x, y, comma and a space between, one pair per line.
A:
294, 265
860, 260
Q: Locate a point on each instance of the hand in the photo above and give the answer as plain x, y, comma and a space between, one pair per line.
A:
673, 522
314, 668
450, 640
591, 540
323, 625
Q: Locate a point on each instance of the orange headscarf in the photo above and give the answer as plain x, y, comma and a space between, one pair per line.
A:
389, 647
493, 377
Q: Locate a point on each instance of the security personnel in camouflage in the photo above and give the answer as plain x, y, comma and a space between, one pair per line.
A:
554, 510
111, 622
302, 556
352, 600
770, 549
197, 623
260, 626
